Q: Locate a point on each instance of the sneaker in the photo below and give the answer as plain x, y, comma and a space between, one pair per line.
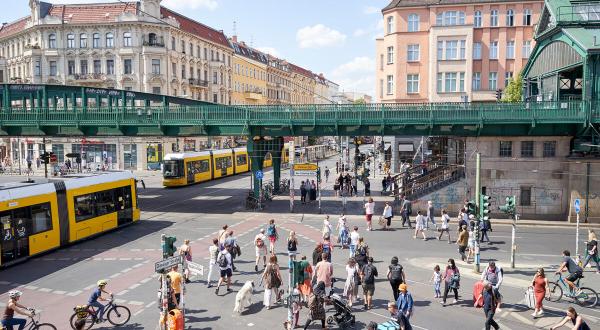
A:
217, 291
209, 285
229, 289
534, 314
255, 268
454, 301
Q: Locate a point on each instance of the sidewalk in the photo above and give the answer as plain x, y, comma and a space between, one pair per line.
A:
544, 223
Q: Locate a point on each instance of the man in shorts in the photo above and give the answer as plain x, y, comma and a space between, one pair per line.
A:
225, 268
368, 274
261, 249
575, 272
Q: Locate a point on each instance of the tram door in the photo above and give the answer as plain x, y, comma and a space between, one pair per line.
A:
190, 172
15, 238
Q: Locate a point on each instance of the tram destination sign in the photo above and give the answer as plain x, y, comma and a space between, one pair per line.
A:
167, 263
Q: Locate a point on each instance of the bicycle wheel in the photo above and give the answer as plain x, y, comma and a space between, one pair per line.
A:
44, 326
587, 297
556, 292
119, 315
89, 321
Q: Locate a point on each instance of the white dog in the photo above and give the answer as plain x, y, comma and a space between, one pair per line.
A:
244, 296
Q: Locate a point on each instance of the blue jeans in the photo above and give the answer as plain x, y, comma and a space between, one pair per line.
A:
99, 309
352, 250
432, 219
588, 259
14, 321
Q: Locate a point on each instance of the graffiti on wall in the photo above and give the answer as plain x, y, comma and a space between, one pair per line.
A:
540, 196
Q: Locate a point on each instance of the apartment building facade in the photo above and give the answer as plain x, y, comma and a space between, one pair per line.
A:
249, 74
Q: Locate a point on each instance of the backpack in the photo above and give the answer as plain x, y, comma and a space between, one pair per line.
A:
291, 245
271, 231
259, 243
222, 260
396, 272
326, 248
368, 274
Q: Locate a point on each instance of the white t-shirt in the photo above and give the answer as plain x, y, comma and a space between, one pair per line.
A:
354, 236
341, 223
445, 219
263, 238
326, 226
370, 208
387, 212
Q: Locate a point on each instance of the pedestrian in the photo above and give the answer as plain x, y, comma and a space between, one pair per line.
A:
451, 279
485, 227
326, 174
462, 242
176, 282
348, 184
213, 252
489, 306
494, 275
235, 248
445, 227
317, 253
185, 250
336, 187
355, 185
383, 185
405, 211
390, 182
306, 286
540, 290
471, 243
271, 279
387, 215
303, 192
224, 262
261, 249
351, 285
405, 301
354, 238
462, 219
327, 228
316, 306
367, 274
395, 276
369, 210
436, 278
430, 215
576, 319
337, 167
400, 319
292, 245
342, 229
420, 225
592, 250
313, 191
272, 235
362, 252
222, 235
327, 247
324, 271
367, 184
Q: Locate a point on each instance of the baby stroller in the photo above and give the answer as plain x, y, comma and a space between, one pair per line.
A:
343, 316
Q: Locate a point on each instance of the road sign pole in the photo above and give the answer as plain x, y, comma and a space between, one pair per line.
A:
577, 209
476, 268
165, 301
292, 155
319, 186
513, 246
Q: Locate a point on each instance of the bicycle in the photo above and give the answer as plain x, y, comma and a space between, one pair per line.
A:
35, 325
587, 297
117, 315
252, 202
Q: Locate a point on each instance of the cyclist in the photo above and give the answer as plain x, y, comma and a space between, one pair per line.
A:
8, 319
577, 321
575, 272
97, 295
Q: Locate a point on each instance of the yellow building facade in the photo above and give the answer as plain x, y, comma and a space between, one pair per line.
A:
249, 75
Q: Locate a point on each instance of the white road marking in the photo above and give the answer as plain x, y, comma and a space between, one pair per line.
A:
45, 290
521, 318
31, 287
74, 293
136, 303
216, 198
148, 196
59, 292
122, 292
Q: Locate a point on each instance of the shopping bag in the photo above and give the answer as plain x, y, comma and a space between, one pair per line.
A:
530, 298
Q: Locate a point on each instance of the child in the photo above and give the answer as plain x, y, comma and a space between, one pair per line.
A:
327, 247
436, 278
296, 307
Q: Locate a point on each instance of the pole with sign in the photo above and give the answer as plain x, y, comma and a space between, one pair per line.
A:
577, 205
258, 174
292, 154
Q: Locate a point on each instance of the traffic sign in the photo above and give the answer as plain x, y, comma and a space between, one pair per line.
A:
168, 263
577, 205
195, 269
259, 174
305, 167
305, 173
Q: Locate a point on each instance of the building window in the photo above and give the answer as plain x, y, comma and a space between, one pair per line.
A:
510, 49
183, 71
156, 66
450, 82
412, 83
525, 199
413, 23
173, 43
53, 68
110, 67
461, 81
440, 50
505, 149
183, 46
390, 84
440, 82
127, 39
449, 18
526, 149
390, 55
156, 90
507, 77
110, 40
493, 81
71, 67
70, 40
510, 17
52, 41
215, 98
494, 50
413, 53
390, 24
96, 40
83, 40
494, 17
127, 67
526, 49
477, 19
527, 17
37, 70
215, 78
477, 50
451, 49
83, 67
476, 81
97, 66
381, 88
549, 149
463, 49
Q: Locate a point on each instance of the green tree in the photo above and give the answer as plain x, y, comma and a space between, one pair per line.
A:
514, 90
360, 101
312, 140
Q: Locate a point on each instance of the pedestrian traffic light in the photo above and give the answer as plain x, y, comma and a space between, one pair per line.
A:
471, 207
499, 94
319, 174
509, 207
484, 207
45, 157
169, 246
366, 172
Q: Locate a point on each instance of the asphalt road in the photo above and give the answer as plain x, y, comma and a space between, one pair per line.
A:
57, 281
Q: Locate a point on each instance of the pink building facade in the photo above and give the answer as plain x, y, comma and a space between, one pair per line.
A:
457, 51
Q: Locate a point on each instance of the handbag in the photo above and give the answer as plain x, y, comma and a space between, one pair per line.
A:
382, 221
238, 250
530, 297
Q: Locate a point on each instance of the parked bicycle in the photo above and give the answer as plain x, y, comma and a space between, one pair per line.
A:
35, 322
586, 297
117, 315
252, 202
284, 186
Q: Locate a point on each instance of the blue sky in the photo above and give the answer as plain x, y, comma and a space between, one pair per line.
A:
334, 37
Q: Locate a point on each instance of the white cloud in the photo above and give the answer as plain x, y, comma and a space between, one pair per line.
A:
318, 36
369, 10
357, 75
270, 50
191, 4
375, 30
360, 32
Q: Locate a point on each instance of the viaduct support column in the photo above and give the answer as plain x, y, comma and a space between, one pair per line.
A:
256, 151
276, 153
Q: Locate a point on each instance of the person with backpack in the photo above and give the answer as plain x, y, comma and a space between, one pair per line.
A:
362, 252
213, 253
224, 262
292, 245
451, 279
494, 275
271, 279
396, 276
327, 247
272, 235
235, 248
485, 227
316, 306
405, 301
367, 274
324, 271
489, 306
260, 248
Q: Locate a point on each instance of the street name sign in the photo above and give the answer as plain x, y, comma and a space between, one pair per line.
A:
195, 269
168, 263
306, 169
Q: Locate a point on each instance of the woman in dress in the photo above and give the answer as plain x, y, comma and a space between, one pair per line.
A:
306, 286
540, 288
271, 279
272, 235
342, 228
351, 287
186, 251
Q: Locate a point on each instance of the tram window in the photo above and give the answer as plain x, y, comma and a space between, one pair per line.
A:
173, 168
84, 207
223, 162
123, 198
102, 202
200, 166
241, 160
41, 218
105, 203
20, 220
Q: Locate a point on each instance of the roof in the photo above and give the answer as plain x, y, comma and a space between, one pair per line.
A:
83, 180
302, 71
586, 38
242, 49
189, 25
421, 3
14, 27
180, 155
92, 13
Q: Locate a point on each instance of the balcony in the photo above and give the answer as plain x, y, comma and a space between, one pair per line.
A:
253, 95
153, 44
90, 77
198, 82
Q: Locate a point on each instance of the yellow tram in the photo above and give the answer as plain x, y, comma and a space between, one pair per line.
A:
37, 217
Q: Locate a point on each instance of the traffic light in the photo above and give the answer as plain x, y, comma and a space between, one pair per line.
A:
509, 207
484, 207
45, 158
319, 174
471, 207
499, 94
366, 172
169, 247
